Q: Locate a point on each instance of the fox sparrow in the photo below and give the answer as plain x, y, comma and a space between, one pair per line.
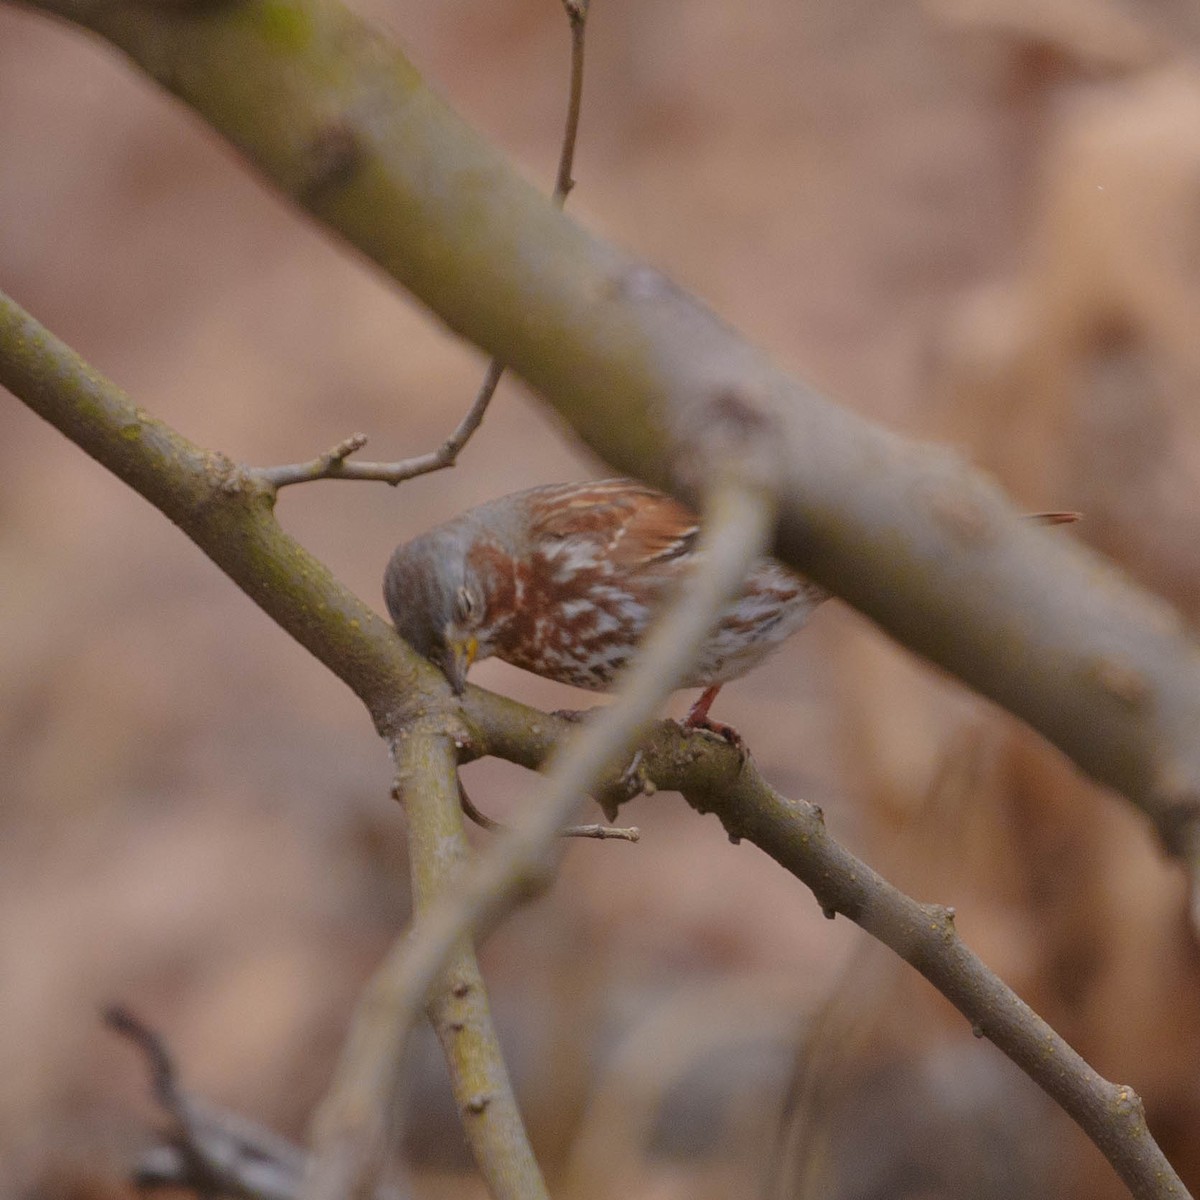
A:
564, 580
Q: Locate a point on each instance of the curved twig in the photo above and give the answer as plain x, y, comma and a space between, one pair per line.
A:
600, 833
209, 1150
335, 463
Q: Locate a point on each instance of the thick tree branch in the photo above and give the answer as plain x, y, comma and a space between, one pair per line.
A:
342, 123
205, 495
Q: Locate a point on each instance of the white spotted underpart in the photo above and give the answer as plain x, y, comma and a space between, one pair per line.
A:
591, 563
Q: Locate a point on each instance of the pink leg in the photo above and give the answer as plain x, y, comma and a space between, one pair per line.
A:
698, 718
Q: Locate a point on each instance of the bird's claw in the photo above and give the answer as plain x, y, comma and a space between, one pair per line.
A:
574, 715
698, 718
726, 733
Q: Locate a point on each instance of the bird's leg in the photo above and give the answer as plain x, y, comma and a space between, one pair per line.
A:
698, 718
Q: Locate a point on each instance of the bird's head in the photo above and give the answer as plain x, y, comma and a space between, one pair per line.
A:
438, 602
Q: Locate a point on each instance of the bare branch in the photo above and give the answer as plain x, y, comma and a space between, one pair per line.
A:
576, 11
598, 832
603, 833
334, 464
210, 1150
354, 1128
235, 527
924, 935
719, 779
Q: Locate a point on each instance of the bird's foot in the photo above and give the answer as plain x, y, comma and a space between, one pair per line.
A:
574, 715
698, 718
726, 733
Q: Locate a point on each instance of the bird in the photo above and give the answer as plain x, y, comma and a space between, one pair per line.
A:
563, 580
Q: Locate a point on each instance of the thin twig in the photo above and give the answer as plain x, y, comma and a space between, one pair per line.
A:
336, 463
602, 833
517, 865
329, 465
210, 1150
477, 816
163, 1076
577, 11
924, 935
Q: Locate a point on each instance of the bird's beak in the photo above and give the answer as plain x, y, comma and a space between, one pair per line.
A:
457, 661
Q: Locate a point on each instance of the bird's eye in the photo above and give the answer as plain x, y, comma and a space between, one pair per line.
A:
465, 606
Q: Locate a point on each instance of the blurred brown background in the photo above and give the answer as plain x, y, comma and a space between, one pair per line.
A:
974, 220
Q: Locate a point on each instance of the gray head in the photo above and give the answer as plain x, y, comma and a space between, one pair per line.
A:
438, 600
